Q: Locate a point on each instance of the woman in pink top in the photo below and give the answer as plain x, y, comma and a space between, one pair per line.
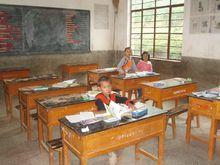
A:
144, 64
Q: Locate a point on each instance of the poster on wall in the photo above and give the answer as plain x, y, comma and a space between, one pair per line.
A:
205, 16
37, 30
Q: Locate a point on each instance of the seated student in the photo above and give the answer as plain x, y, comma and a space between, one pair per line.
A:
127, 64
145, 64
104, 98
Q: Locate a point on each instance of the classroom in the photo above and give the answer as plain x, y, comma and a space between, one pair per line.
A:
109, 82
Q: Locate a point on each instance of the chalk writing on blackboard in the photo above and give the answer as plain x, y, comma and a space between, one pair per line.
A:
29, 30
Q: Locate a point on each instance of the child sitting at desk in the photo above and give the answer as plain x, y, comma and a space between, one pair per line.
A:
103, 99
106, 96
145, 64
127, 64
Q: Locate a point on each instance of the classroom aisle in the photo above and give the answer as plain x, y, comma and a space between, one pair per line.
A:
16, 150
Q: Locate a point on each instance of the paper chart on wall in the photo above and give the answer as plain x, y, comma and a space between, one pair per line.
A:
205, 16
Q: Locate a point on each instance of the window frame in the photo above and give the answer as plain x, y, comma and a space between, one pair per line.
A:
169, 33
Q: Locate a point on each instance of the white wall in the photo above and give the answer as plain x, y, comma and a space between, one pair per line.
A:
122, 25
199, 45
100, 39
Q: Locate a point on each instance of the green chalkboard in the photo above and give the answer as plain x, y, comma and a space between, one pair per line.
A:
36, 30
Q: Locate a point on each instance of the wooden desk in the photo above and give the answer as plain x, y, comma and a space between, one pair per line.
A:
94, 75
209, 107
173, 89
6, 73
103, 138
68, 69
11, 87
129, 84
28, 95
51, 109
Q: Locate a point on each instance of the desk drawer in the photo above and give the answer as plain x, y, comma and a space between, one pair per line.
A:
42, 113
203, 107
178, 91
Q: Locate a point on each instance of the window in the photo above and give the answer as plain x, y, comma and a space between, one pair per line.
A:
157, 27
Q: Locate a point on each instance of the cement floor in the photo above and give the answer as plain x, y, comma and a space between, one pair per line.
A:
16, 150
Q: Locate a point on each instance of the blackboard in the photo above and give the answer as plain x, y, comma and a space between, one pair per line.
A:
34, 30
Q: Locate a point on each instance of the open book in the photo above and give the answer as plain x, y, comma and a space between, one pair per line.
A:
117, 110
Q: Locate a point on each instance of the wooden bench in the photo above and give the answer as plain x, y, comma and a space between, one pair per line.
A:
55, 145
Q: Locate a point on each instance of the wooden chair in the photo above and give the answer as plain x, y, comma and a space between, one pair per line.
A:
173, 113
55, 145
34, 116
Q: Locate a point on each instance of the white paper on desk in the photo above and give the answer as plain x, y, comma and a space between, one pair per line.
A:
80, 117
139, 105
87, 115
70, 81
74, 118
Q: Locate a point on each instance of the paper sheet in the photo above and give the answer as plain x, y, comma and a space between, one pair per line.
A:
80, 117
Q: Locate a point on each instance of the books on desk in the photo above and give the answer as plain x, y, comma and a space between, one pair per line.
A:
82, 116
91, 94
65, 84
114, 112
139, 74
210, 94
104, 70
41, 88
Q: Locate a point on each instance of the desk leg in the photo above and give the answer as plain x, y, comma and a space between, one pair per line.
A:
21, 115
49, 132
68, 76
51, 156
188, 127
173, 120
66, 159
176, 102
9, 106
137, 152
8, 103
197, 121
123, 93
40, 132
160, 149
212, 138
159, 104
63, 75
83, 161
129, 94
29, 127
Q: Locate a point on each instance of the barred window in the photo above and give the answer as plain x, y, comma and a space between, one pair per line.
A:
157, 27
